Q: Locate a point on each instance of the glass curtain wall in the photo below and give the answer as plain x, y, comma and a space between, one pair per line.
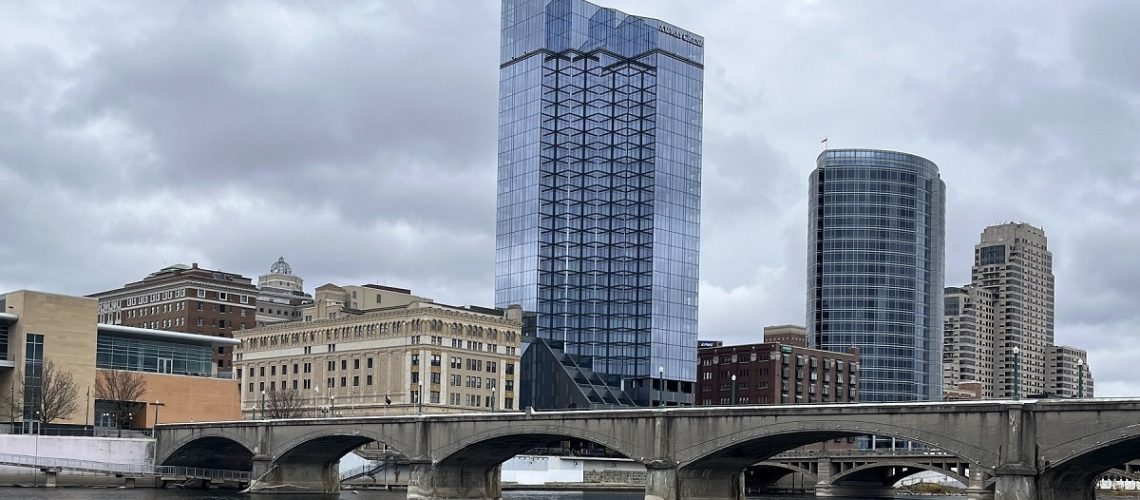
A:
599, 188
875, 269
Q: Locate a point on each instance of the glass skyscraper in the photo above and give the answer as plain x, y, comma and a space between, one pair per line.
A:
599, 195
875, 268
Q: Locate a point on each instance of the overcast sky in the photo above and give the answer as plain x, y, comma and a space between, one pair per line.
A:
358, 140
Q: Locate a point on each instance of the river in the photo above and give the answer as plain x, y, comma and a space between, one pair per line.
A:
152, 494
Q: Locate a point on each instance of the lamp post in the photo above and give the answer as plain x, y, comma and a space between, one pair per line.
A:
316, 398
1081, 378
36, 471
733, 390
156, 404
493, 401
1016, 373
332, 405
420, 398
262, 406
661, 385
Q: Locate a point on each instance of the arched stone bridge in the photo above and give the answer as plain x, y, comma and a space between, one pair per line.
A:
1024, 450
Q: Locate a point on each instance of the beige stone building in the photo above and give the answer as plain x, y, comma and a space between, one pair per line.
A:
344, 360
968, 350
1013, 262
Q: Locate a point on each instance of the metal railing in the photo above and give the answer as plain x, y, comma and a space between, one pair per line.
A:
882, 452
364, 470
12, 459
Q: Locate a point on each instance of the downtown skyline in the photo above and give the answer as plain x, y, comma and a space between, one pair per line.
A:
104, 176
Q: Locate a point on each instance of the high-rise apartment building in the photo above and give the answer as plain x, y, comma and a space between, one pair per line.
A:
599, 201
188, 299
1013, 262
968, 348
1069, 375
281, 295
875, 268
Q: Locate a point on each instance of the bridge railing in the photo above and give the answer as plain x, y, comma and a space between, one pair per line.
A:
74, 464
116, 468
361, 471
890, 452
195, 472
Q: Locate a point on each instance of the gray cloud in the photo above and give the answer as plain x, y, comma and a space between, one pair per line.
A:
359, 140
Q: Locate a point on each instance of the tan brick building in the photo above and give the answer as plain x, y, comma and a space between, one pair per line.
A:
968, 343
177, 368
349, 361
186, 299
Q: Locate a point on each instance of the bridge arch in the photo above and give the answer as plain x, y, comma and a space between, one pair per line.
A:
215, 450
496, 444
901, 470
1083, 460
324, 444
747, 444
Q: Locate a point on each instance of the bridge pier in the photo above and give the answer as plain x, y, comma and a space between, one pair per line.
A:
429, 481
976, 489
51, 475
710, 484
293, 477
1019, 485
660, 482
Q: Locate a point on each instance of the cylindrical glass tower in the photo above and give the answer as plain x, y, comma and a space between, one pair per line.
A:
875, 268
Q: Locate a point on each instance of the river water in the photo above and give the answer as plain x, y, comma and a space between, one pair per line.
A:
152, 494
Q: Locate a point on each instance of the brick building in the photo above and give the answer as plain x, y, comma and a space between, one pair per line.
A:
771, 373
186, 299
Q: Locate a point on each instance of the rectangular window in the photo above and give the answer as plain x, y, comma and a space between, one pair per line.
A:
356, 381
368, 380
223, 296
356, 364
370, 362
201, 295
244, 300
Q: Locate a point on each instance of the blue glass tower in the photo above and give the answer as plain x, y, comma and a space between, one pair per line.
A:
875, 268
599, 199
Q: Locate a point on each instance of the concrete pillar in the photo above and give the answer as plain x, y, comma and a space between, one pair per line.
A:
429, 481
51, 475
710, 484
298, 477
660, 482
1015, 487
976, 489
130, 482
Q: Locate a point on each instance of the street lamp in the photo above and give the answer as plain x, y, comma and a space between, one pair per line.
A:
1016, 373
1081, 378
332, 405
156, 404
262, 406
733, 390
420, 398
493, 401
661, 386
316, 398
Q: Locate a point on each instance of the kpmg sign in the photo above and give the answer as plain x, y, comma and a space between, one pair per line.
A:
674, 32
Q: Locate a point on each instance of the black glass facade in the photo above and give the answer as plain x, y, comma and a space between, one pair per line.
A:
33, 375
599, 189
875, 268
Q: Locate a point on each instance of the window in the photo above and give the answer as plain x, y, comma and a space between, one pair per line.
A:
344, 381
356, 381
370, 362
223, 296
332, 366
415, 377
415, 360
356, 364
201, 295
344, 364
244, 300
368, 380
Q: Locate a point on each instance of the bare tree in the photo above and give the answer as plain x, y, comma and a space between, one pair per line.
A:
285, 403
123, 390
55, 397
